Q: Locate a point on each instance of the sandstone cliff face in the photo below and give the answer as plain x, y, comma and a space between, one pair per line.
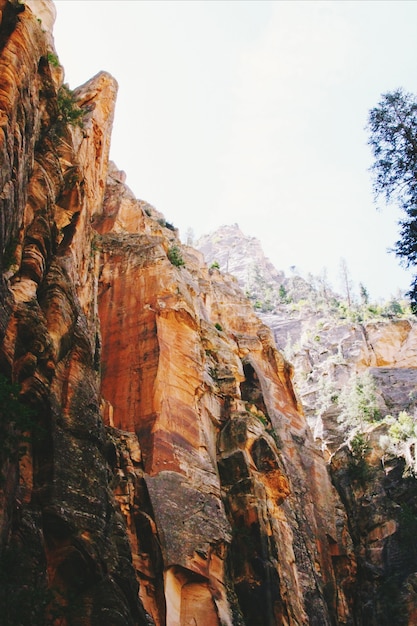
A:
65, 554
377, 490
165, 473
221, 478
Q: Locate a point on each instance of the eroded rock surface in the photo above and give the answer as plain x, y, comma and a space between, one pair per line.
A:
64, 550
225, 451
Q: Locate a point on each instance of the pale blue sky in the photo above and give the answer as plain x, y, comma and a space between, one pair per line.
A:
254, 112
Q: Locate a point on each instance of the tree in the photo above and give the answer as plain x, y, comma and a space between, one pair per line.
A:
364, 294
346, 281
359, 402
393, 138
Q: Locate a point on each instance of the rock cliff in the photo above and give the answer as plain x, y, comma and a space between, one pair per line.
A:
156, 465
353, 366
326, 342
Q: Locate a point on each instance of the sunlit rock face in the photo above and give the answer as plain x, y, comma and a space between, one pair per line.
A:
64, 548
170, 478
232, 494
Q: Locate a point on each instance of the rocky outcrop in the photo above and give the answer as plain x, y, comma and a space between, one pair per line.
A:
325, 341
242, 256
197, 488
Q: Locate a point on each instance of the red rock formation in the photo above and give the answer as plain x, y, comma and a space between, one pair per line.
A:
64, 549
195, 375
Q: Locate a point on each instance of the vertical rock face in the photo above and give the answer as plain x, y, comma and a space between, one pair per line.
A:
238, 501
373, 470
188, 467
64, 550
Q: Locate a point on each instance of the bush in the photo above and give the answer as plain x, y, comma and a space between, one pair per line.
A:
402, 439
69, 113
175, 256
403, 428
162, 222
358, 468
359, 446
53, 59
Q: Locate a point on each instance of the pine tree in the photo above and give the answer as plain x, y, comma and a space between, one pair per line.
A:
393, 139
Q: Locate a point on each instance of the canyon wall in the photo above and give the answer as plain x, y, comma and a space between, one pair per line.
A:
237, 497
156, 465
355, 372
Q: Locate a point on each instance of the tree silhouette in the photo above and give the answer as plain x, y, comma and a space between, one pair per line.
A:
393, 139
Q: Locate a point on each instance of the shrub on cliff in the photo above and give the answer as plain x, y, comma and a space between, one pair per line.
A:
68, 112
401, 439
175, 256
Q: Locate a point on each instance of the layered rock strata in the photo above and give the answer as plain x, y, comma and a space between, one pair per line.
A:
374, 475
64, 550
225, 454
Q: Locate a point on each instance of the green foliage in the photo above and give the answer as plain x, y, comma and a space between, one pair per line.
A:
16, 422
393, 308
262, 293
393, 138
175, 256
262, 419
359, 446
283, 294
327, 395
68, 111
403, 428
364, 294
218, 326
358, 401
215, 265
162, 222
401, 440
53, 59
359, 471
358, 468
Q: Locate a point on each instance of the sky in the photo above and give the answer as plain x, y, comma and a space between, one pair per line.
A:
254, 113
